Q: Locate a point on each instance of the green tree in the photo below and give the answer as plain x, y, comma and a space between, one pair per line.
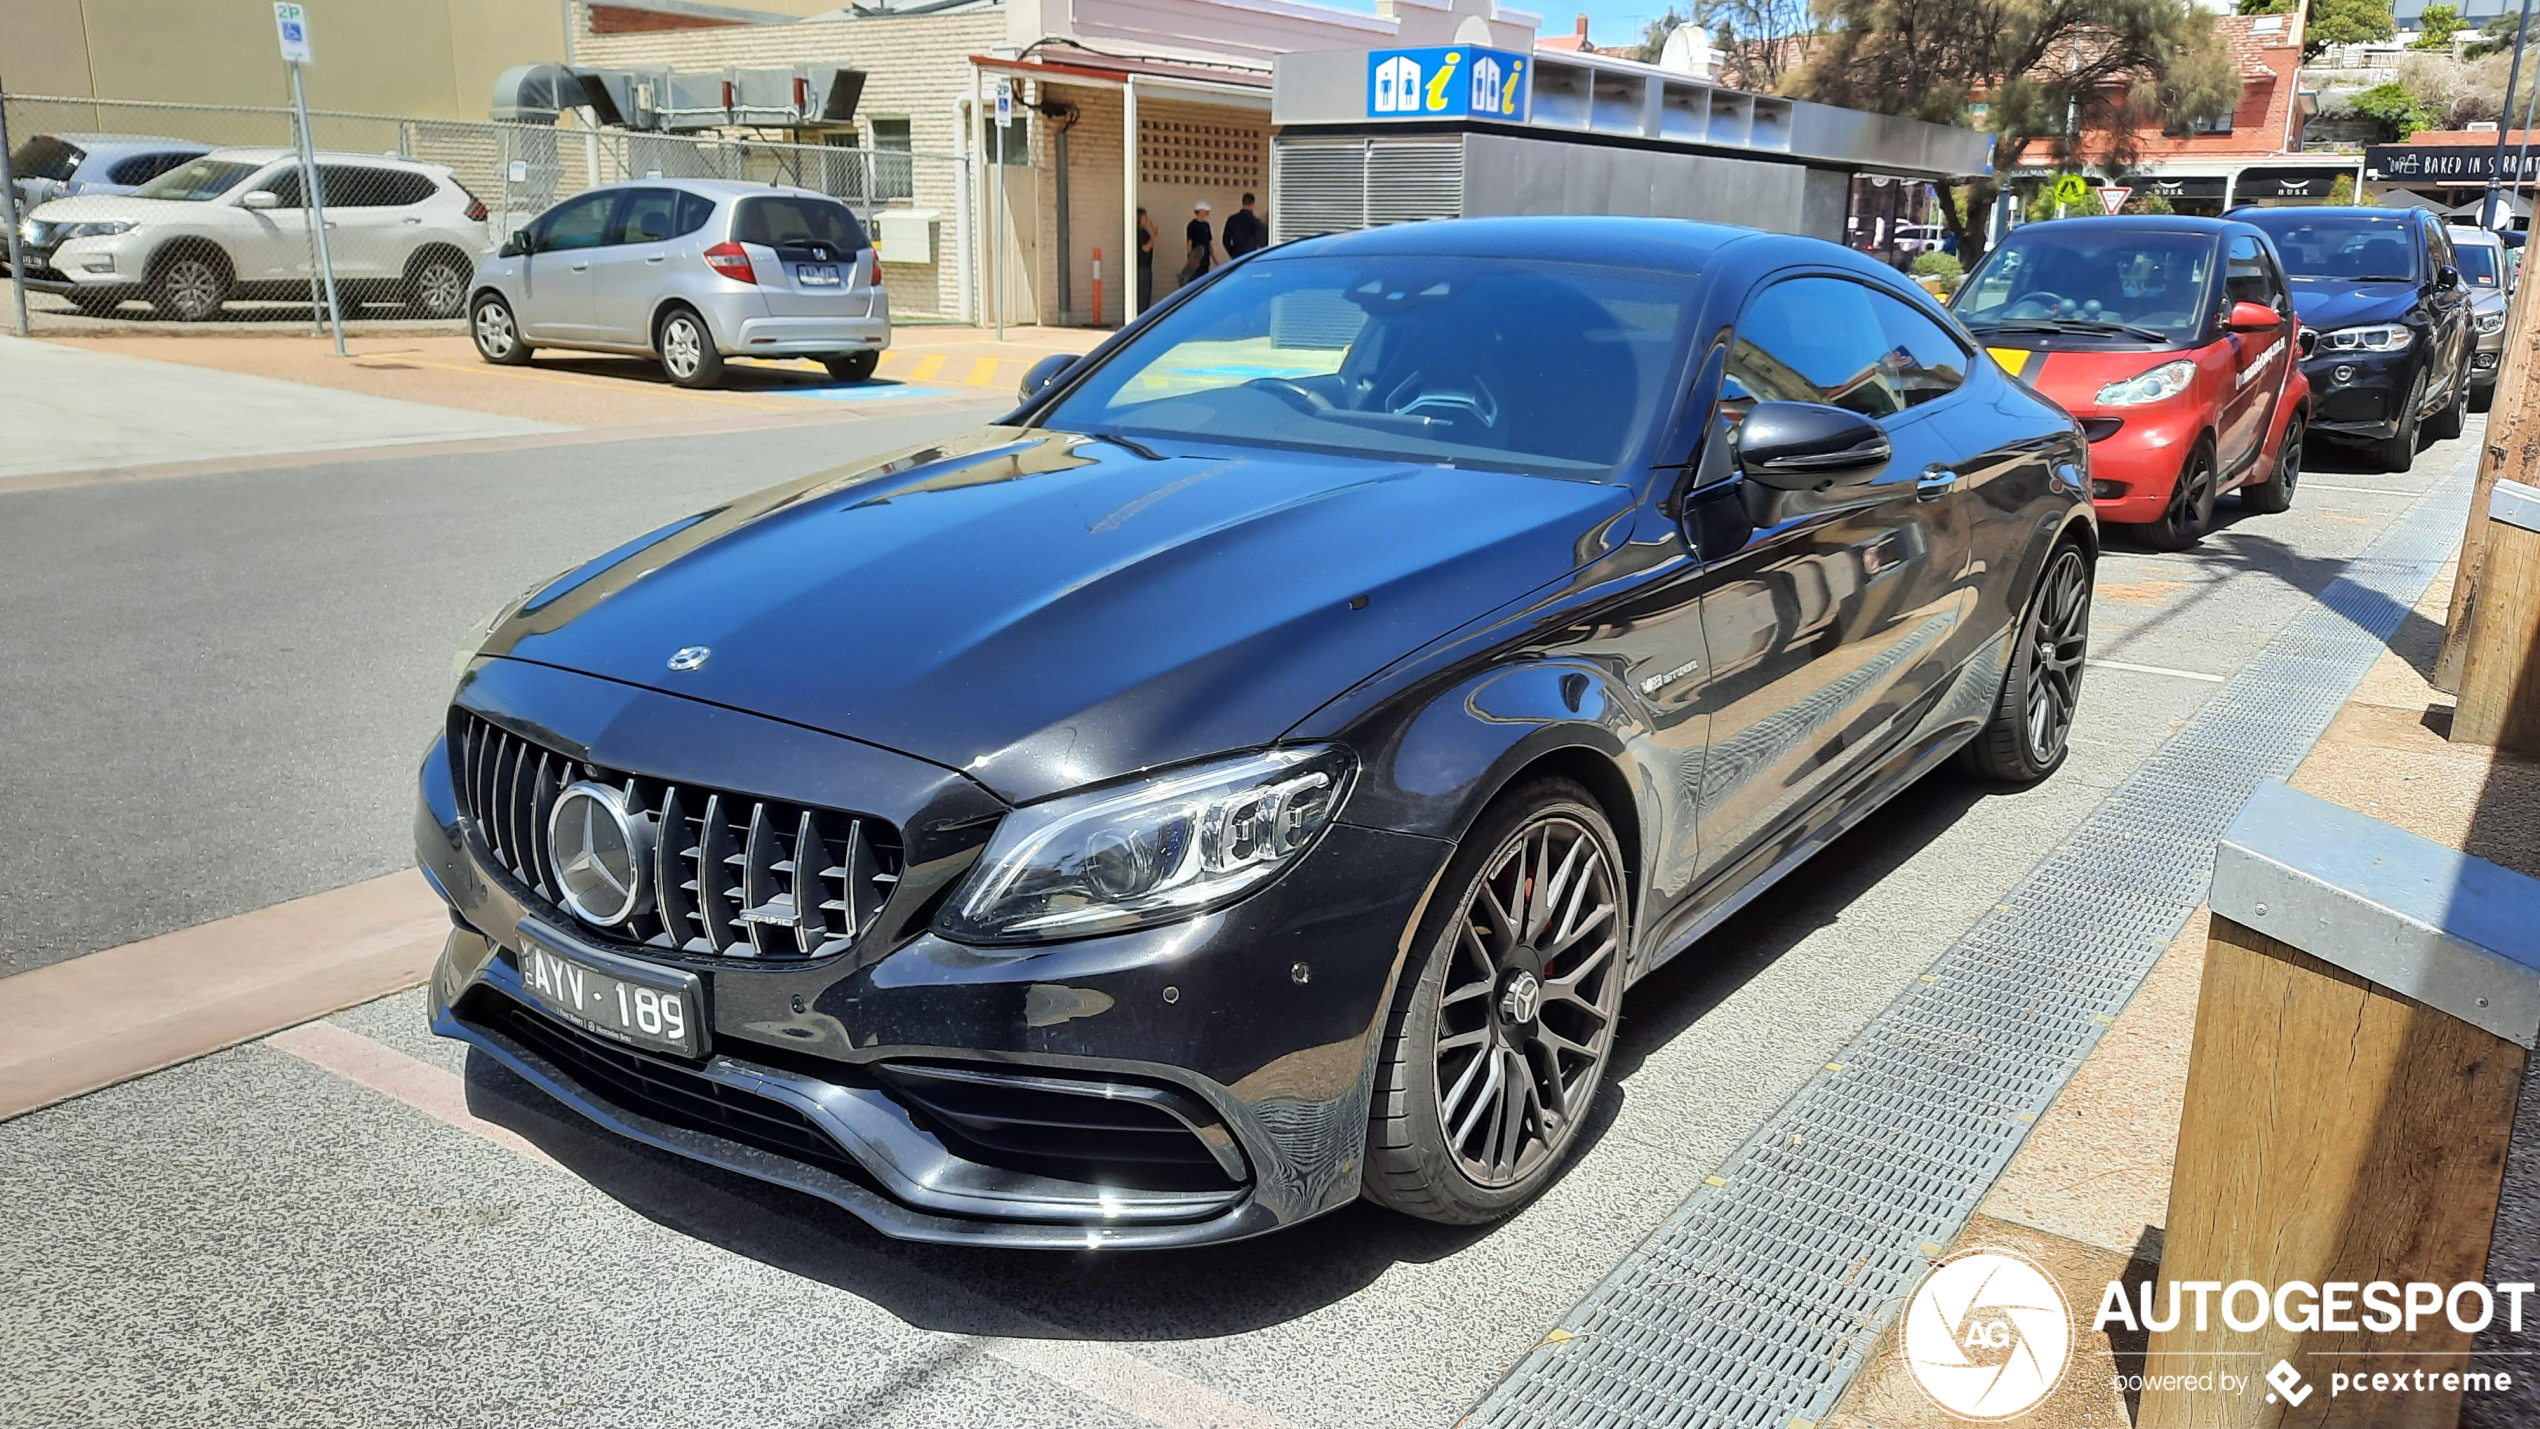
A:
2269, 7
2394, 111
2341, 194
2082, 78
1653, 37
2496, 37
1753, 38
2437, 26
2347, 22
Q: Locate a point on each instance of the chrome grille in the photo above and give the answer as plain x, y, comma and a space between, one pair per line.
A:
733, 874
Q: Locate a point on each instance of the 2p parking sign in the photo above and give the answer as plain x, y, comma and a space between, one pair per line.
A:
291, 26
1448, 82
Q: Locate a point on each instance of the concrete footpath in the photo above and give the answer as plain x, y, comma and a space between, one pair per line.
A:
2088, 1194
68, 409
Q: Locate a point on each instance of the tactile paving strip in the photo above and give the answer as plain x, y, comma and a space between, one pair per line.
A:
1756, 1301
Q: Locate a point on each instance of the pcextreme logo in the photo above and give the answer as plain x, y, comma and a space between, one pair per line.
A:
1987, 1335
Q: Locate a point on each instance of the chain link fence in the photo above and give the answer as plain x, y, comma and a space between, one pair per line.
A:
409, 205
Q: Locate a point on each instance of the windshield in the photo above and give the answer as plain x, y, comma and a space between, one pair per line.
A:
193, 183
2353, 247
45, 157
2477, 263
1530, 366
2070, 276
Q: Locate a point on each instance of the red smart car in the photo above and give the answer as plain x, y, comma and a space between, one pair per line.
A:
2173, 340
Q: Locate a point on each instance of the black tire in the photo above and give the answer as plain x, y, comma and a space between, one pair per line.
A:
2482, 398
97, 305
496, 330
2031, 727
686, 348
2445, 425
190, 285
2275, 494
1520, 994
436, 283
853, 366
2398, 451
2190, 512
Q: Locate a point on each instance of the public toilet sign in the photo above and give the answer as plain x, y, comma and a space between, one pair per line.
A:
2112, 198
1449, 82
291, 24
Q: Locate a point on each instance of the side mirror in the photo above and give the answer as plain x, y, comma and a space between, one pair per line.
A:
1043, 373
2446, 278
1802, 446
516, 245
2251, 317
261, 199
2306, 342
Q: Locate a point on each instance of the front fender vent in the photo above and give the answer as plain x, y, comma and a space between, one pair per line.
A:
732, 875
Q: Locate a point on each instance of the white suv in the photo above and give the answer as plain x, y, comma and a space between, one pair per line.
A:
231, 225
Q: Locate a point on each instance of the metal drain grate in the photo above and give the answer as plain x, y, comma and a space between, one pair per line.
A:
1756, 1302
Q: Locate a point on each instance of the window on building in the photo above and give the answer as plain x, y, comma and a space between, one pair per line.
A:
894, 172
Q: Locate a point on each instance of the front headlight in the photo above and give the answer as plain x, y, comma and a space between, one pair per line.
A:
2162, 382
96, 228
2371, 337
2491, 322
1155, 851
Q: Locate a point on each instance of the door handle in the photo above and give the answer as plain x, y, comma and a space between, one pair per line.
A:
410, 220
1935, 483
657, 258
581, 267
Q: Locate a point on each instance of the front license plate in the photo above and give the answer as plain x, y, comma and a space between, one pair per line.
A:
659, 1015
818, 275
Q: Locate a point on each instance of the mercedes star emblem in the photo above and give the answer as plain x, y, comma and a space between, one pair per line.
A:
600, 849
689, 657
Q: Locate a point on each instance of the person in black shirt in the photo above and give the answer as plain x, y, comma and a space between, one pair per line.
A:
1203, 241
1146, 261
1245, 232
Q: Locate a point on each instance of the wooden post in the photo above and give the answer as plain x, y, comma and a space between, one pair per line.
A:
2368, 998
2500, 680
2512, 450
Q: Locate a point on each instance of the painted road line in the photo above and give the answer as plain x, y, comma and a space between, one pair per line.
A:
93, 1021
983, 372
1103, 1373
2162, 670
926, 367
868, 392
437, 1093
2360, 490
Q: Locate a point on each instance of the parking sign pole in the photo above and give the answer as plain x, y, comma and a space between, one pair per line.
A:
291, 27
9, 210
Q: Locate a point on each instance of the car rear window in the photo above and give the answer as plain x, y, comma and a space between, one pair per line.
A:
45, 157
782, 221
142, 168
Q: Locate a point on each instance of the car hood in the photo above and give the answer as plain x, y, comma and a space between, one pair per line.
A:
2331, 305
88, 207
1044, 610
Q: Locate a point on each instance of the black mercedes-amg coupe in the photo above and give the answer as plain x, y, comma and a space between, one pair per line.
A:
1249, 776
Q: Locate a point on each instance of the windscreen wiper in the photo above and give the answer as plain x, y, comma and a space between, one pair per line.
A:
2075, 324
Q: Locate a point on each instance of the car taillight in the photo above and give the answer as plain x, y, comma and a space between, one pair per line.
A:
732, 261
476, 210
873, 267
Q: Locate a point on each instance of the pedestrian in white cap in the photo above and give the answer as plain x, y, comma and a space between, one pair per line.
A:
1203, 241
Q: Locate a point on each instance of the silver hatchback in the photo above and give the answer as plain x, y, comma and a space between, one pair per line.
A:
691, 271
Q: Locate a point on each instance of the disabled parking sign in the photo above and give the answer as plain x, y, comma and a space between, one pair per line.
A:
291, 24
1448, 82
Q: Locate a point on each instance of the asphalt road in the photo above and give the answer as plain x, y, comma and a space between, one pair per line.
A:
228, 683
218, 686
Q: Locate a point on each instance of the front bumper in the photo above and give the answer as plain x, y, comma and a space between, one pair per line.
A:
2360, 395
2137, 455
1256, 1025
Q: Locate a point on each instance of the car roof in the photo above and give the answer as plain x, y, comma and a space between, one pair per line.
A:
2472, 233
719, 188
266, 155
2316, 210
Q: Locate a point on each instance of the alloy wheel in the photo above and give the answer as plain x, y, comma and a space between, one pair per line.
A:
2288, 462
680, 346
2059, 640
1527, 1012
440, 288
193, 288
495, 335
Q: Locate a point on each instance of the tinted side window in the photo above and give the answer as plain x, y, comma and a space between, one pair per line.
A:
577, 223
2245, 278
285, 186
1824, 340
694, 210
647, 216
142, 168
779, 222
1924, 359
